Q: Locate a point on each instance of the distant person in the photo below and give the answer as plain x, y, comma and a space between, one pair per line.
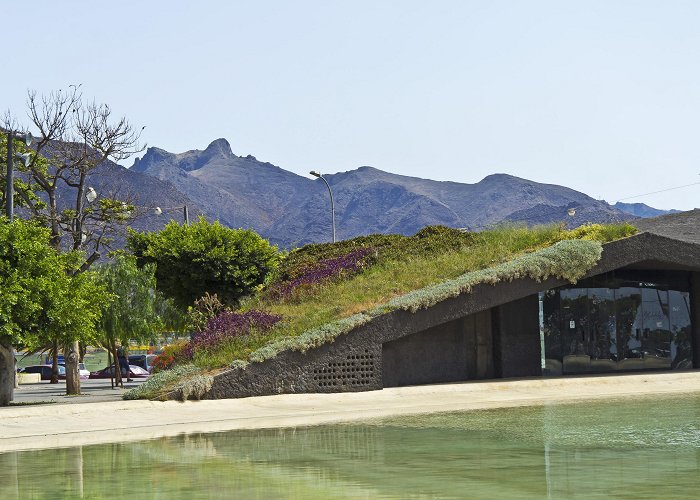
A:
123, 364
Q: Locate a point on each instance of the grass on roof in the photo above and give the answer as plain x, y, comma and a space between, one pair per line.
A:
432, 262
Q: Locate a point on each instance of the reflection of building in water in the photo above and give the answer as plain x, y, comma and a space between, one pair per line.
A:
639, 449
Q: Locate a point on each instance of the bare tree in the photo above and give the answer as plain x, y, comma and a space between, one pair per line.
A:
74, 138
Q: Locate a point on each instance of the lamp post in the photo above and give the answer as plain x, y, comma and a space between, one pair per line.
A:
185, 213
318, 174
26, 158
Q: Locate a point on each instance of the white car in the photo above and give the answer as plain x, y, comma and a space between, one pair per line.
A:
83, 372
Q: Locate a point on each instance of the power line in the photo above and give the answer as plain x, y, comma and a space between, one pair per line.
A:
660, 191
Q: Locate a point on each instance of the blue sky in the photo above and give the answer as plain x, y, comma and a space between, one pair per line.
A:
600, 96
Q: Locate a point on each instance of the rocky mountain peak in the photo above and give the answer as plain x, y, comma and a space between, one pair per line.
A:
153, 156
219, 147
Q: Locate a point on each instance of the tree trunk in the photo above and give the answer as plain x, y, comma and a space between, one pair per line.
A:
126, 355
117, 369
7, 372
16, 375
109, 363
54, 363
71, 356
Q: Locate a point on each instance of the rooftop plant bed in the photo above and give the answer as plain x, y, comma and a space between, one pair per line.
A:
321, 291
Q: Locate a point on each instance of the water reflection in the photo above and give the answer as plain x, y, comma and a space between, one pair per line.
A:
647, 447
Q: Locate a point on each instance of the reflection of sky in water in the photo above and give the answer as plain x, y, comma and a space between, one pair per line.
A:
633, 448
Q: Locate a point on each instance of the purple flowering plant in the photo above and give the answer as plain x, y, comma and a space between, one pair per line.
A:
322, 271
229, 325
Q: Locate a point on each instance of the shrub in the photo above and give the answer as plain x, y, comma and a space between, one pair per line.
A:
229, 325
202, 257
600, 232
157, 385
193, 387
205, 308
171, 355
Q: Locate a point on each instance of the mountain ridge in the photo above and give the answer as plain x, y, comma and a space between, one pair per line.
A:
290, 209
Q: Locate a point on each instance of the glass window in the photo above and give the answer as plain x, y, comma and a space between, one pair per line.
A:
576, 340
681, 350
551, 331
656, 329
609, 323
628, 302
603, 328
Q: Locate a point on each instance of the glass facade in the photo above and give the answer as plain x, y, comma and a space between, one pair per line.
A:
633, 320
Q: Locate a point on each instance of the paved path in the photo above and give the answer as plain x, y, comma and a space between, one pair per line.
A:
61, 425
93, 391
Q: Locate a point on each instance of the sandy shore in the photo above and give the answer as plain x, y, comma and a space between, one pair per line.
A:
61, 425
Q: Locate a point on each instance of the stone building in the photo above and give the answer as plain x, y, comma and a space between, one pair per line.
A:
637, 309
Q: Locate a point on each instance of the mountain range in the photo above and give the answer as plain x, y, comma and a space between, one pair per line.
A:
292, 210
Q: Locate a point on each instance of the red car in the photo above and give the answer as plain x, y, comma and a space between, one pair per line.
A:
108, 372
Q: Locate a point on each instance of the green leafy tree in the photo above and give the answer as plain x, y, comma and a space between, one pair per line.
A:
194, 259
43, 300
138, 312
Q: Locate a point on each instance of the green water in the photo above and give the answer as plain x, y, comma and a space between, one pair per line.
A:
641, 448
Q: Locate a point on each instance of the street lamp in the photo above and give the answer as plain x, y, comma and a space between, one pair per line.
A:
91, 194
318, 174
26, 159
185, 212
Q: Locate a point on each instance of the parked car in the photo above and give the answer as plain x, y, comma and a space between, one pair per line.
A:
108, 372
44, 371
48, 359
145, 361
84, 372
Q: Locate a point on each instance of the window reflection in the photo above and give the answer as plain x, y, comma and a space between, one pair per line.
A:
681, 349
607, 324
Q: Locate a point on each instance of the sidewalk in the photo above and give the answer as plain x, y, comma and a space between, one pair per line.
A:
93, 391
62, 425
